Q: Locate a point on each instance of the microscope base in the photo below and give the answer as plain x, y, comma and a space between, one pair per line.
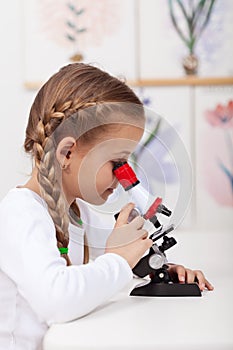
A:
152, 289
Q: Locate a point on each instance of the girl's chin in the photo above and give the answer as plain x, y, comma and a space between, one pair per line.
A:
99, 199
106, 194
109, 191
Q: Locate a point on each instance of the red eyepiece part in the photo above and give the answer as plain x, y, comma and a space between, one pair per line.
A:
125, 175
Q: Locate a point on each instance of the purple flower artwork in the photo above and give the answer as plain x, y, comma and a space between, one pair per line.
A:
152, 160
218, 153
162, 163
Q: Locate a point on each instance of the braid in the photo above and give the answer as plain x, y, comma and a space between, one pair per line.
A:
47, 175
54, 197
75, 87
49, 185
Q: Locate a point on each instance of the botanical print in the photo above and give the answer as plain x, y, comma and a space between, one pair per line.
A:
98, 32
190, 19
77, 24
218, 153
214, 46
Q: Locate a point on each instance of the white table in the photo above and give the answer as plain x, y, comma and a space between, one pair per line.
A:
169, 323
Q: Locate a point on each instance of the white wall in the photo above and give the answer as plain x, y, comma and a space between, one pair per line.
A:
15, 99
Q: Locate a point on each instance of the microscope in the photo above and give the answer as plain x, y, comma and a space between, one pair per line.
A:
154, 264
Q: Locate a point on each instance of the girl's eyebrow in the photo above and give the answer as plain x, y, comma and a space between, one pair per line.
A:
123, 153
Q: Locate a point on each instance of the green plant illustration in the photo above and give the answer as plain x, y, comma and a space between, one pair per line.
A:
196, 16
74, 29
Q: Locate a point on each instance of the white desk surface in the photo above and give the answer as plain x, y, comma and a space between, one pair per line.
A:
163, 323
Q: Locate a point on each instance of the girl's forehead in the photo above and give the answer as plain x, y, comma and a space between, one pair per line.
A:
119, 144
119, 141
124, 136
124, 131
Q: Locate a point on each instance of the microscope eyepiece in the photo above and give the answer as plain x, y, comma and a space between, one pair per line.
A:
125, 175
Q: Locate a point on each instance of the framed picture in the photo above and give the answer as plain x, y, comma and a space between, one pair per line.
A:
60, 32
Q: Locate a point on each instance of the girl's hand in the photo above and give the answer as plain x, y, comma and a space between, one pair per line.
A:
128, 240
182, 274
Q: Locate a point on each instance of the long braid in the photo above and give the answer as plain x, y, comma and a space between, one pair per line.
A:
48, 171
54, 197
48, 179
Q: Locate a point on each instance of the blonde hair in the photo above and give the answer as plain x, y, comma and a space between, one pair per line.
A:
72, 89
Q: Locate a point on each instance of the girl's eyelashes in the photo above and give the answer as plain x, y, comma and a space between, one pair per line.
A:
115, 161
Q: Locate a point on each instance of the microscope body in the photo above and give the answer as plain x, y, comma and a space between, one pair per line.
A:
154, 264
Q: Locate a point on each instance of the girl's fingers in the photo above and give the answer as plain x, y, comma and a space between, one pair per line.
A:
147, 243
202, 281
180, 270
138, 222
190, 276
144, 234
208, 285
136, 235
124, 214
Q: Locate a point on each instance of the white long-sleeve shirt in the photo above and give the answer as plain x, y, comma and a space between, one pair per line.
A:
36, 287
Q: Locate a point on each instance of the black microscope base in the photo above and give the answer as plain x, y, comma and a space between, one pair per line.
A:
152, 289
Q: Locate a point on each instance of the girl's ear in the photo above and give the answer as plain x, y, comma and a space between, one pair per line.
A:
64, 150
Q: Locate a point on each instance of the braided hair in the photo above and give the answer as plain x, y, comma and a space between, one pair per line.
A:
72, 89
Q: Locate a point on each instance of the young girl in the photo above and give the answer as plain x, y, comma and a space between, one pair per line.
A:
81, 122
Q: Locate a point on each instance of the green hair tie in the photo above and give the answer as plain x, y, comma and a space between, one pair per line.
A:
63, 250
79, 221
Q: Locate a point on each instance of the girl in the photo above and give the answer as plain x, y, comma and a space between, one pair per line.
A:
81, 122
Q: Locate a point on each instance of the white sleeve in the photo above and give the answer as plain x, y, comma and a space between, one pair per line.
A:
57, 293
